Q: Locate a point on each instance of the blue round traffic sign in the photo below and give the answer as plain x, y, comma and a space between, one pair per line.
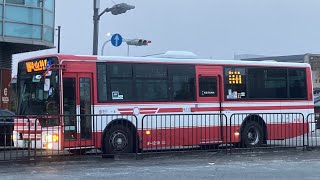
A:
116, 40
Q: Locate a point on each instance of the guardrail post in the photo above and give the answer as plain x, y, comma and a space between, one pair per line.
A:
137, 137
29, 138
142, 135
303, 145
35, 135
230, 135
307, 146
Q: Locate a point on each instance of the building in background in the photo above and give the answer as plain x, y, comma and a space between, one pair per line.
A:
312, 59
25, 25
245, 56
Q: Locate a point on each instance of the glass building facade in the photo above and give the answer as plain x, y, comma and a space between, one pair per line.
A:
25, 25
29, 19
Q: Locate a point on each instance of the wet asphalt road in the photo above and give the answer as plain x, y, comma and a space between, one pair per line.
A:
291, 164
266, 164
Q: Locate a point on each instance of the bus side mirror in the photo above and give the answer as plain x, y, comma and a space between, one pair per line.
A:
46, 85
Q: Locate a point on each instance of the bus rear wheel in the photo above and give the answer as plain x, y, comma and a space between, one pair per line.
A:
252, 135
118, 140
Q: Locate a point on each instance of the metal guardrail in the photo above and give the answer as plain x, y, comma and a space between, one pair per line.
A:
8, 151
101, 134
35, 137
269, 130
179, 132
312, 137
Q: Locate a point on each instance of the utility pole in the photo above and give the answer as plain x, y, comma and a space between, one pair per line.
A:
96, 6
59, 34
115, 10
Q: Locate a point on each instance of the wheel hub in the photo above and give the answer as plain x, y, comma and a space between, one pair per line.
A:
119, 141
253, 135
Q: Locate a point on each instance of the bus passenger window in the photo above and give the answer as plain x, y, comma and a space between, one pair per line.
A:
208, 87
297, 84
235, 83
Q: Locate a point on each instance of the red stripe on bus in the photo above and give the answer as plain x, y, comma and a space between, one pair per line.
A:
245, 108
31, 139
125, 109
31, 132
20, 124
126, 113
168, 110
200, 109
148, 109
148, 112
183, 136
206, 109
268, 108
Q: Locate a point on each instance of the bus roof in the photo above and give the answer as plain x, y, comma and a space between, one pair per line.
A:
151, 59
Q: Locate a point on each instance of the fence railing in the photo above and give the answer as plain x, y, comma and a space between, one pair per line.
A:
8, 151
269, 130
312, 137
32, 137
178, 132
87, 134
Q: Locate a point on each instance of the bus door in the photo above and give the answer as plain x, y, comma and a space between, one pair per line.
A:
209, 98
77, 104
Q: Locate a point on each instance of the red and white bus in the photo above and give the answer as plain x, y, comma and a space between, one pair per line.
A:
84, 85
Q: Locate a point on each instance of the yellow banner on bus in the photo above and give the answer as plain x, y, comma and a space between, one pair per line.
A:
35, 66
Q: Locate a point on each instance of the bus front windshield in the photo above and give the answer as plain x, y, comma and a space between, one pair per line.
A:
38, 94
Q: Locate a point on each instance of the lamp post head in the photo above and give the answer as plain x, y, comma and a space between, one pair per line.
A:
121, 8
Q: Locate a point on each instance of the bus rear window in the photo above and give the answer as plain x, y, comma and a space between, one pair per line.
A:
297, 84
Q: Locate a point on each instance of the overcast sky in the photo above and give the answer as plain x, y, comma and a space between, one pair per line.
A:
210, 28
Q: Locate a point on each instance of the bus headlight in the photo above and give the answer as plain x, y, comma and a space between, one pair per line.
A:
48, 145
55, 138
47, 138
51, 138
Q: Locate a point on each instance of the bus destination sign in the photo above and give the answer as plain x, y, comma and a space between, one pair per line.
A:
235, 77
39, 65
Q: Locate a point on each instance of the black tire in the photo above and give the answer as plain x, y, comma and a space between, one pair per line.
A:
209, 147
78, 151
118, 139
252, 135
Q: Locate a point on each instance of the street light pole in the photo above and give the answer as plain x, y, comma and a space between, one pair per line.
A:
96, 6
59, 34
104, 44
128, 50
115, 10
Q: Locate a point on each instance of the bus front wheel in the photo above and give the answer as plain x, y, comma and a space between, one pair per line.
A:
252, 135
118, 139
